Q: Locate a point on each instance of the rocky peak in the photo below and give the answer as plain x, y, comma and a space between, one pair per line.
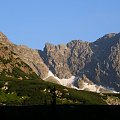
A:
56, 58
74, 43
63, 59
49, 47
80, 55
105, 43
3, 38
110, 35
98, 61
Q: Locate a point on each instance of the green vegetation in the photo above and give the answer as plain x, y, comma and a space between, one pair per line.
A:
38, 92
11, 99
16, 74
112, 95
5, 61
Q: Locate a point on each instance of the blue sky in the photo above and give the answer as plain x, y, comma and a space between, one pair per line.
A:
35, 22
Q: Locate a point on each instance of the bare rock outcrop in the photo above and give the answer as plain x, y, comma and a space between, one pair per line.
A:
99, 61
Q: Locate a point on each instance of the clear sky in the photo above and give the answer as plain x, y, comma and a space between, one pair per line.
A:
35, 22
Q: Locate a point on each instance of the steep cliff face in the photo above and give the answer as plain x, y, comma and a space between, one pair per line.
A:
80, 55
104, 66
98, 60
67, 60
56, 58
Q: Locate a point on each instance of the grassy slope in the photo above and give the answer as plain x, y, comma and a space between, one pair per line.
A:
38, 92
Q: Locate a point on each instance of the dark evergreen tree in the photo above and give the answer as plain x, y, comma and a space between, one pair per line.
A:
53, 95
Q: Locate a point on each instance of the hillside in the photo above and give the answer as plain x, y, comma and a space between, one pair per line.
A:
79, 65
95, 60
38, 92
12, 67
21, 86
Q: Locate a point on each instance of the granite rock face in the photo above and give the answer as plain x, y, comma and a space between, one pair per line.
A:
56, 58
67, 60
80, 55
99, 61
105, 66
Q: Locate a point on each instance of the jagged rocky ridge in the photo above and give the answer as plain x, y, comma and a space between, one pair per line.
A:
98, 61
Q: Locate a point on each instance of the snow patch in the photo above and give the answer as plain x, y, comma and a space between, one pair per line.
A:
95, 88
63, 81
91, 87
69, 82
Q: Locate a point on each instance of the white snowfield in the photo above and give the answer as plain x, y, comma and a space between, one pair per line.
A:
94, 87
64, 82
90, 87
69, 82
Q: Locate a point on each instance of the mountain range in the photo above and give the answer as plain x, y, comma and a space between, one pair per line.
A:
91, 66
